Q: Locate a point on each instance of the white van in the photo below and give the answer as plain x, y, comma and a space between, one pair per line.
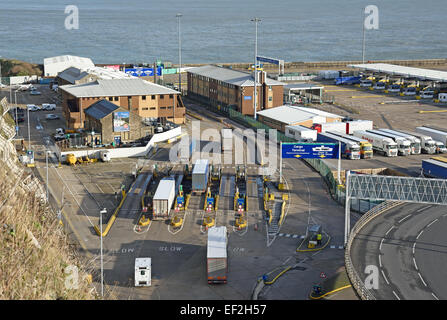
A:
366, 83
427, 94
104, 155
442, 97
410, 91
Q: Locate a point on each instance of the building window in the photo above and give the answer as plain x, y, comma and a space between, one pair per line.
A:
153, 97
171, 96
163, 108
116, 98
143, 97
153, 108
270, 98
145, 109
110, 98
162, 96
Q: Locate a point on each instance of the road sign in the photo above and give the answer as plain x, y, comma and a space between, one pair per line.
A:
310, 150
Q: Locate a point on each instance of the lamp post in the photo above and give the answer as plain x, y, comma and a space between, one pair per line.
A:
47, 153
364, 36
178, 16
103, 211
17, 121
255, 69
29, 134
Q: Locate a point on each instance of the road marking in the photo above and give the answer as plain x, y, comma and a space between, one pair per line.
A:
419, 234
383, 274
431, 223
392, 227
414, 246
415, 265
395, 294
434, 296
422, 279
381, 242
404, 218
99, 188
424, 208
380, 261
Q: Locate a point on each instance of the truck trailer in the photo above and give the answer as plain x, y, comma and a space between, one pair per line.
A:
437, 135
349, 149
301, 133
428, 145
143, 272
347, 127
163, 199
357, 125
366, 149
216, 264
415, 143
403, 145
380, 143
200, 175
434, 169
227, 139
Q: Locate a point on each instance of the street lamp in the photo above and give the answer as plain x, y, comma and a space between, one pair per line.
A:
29, 134
47, 153
364, 38
103, 211
255, 69
178, 16
17, 121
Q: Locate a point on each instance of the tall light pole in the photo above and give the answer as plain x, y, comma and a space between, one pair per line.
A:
364, 34
255, 69
0, 71
17, 121
46, 161
178, 16
103, 211
29, 135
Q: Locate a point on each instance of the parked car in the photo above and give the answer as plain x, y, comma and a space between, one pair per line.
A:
32, 107
426, 94
51, 116
366, 83
35, 93
379, 86
60, 131
59, 137
410, 91
394, 88
48, 106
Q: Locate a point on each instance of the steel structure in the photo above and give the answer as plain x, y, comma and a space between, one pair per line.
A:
392, 188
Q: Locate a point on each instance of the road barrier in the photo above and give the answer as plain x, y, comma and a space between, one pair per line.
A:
356, 280
112, 218
281, 218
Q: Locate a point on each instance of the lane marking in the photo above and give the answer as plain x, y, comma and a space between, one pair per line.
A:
422, 231
422, 279
383, 274
381, 242
431, 223
380, 261
415, 265
395, 294
404, 218
424, 208
434, 296
392, 227
414, 246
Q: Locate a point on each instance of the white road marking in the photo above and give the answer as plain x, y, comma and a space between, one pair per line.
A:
434, 296
414, 247
392, 227
395, 294
422, 209
381, 242
404, 218
432, 223
422, 231
380, 261
386, 280
415, 265
422, 279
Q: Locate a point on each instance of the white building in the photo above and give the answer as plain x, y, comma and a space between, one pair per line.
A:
52, 66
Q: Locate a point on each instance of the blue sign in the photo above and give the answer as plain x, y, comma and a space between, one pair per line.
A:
268, 60
247, 97
310, 150
143, 72
121, 121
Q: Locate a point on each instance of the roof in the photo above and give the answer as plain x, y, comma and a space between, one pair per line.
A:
68, 59
319, 112
72, 74
423, 74
116, 87
300, 128
217, 242
100, 109
200, 166
287, 114
234, 77
302, 86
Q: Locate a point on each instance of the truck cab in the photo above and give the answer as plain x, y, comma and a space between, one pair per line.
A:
440, 147
143, 268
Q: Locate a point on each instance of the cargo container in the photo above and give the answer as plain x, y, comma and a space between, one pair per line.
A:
163, 199
349, 149
366, 149
200, 175
434, 169
403, 145
380, 143
143, 272
330, 126
415, 143
227, 139
301, 133
216, 264
357, 125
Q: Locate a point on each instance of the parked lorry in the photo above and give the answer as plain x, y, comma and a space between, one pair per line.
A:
428, 145
143, 268
216, 264
301, 133
200, 175
403, 145
440, 136
415, 143
357, 125
349, 149
434, 168
380, 143
163, 199
366, 149
227, 139
347, 127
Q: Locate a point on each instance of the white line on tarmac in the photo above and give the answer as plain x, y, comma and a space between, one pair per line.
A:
395, 294
392, 227
383, 274
422, 279
99, 188
432, 223
381, 242
422, 231
380, 261
415, 265
414, 247
404, 218
434, 296
424, 208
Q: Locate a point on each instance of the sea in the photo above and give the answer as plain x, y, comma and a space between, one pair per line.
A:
219, 31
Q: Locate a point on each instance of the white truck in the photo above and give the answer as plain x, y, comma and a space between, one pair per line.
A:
301, 133
216, 264
163, 199
403, 145
428, 145
143, 272
380, 143
349, 148
415, 142
440, 136
227, 139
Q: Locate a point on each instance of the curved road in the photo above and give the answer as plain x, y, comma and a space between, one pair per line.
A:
408, 244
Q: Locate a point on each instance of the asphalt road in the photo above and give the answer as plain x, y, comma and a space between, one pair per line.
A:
408, 244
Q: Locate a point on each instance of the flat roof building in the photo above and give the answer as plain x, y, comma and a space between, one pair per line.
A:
53, 65
144, 98
226, 87
75, 75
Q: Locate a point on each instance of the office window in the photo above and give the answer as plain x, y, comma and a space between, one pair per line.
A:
270, 98
143, 97
110, 98
116, 98
162, 96
153, 108
171, 96
145, 108
153, 97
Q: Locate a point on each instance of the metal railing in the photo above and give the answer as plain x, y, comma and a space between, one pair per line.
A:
356, 280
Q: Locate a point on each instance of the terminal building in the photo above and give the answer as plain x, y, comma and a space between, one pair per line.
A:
281, 117
146, 99
53, 65
75, 75
226, 87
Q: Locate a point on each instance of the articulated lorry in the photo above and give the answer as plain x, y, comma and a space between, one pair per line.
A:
301, 133
403, 145
434, 168
366, 149
415, 143
226, 139
163, 199
347, 127
440, 137
200, 175
380, 143
349, 149
428, 145
216, 264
